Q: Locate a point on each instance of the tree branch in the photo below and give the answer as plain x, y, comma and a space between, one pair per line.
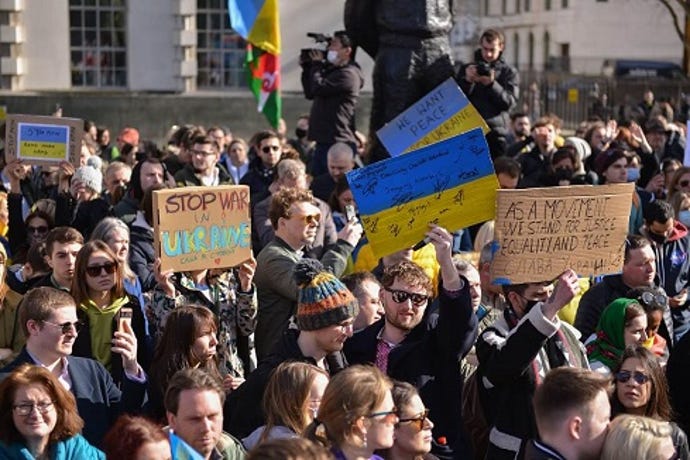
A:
676, 20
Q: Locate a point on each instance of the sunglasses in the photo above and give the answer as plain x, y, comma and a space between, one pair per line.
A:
638, 377
65, 328
652, 299
96, 270
418, 421
402, 296
684, 183
387, 415
41, 229
268, 148
310, 219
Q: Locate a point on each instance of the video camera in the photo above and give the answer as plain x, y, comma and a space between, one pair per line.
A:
304, 54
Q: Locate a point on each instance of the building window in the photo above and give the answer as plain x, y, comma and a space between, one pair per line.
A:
504, 7
528, 5
486, 8
517, 6
530, 51
98, 45
547, 51
547, 5
516, 50
564, 4
220, 50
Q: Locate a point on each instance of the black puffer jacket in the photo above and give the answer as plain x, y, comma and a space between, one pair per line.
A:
496, 100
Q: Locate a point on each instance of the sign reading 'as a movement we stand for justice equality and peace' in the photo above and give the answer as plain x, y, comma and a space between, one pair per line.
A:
450, 183
441, 114
541, 232
202, 227
40, 140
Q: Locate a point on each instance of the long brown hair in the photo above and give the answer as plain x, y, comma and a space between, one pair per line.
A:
658, 406
174, 351
68, 421
286, 395
80, 290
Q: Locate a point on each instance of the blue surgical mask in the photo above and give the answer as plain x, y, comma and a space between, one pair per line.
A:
633, 174
684, 217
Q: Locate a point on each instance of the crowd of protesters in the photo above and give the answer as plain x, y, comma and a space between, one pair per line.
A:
314, 348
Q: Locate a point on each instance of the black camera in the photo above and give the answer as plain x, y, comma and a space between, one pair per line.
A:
304, 54
483, 69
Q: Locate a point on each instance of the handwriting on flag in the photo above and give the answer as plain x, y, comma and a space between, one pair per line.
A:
443, 113
450, 183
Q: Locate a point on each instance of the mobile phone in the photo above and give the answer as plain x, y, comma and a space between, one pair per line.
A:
350, 213
125, 317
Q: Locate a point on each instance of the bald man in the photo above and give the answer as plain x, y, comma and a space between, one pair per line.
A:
340, 160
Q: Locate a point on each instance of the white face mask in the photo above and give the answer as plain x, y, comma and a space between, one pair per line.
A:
332, 56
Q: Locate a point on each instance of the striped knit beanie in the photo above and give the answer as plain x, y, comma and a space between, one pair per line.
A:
323, 300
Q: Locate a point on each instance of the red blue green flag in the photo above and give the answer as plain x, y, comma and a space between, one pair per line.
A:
257, 21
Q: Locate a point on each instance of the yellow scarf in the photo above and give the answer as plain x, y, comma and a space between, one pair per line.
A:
101, 327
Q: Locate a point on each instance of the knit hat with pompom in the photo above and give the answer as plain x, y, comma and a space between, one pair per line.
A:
323, 300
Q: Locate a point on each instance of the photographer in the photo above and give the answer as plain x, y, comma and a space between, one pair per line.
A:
333, 84
492, 86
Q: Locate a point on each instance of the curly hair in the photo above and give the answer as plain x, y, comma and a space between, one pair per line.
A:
283, 200
409, 273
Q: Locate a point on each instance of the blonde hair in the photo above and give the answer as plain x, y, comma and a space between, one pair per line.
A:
632, 437
352, 393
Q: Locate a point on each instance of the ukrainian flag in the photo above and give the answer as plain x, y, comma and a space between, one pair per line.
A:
450, 183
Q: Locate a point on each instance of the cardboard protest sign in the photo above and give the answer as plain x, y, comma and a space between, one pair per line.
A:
202, 227
541, 232
40, 140
443, 113
450, 183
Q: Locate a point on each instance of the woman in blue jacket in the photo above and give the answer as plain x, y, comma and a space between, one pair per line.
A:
39, 419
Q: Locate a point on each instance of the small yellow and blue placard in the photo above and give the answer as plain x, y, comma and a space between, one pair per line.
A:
450, 183
443, 113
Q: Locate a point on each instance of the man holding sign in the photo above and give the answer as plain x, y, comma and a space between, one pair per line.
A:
295, 219
517, 351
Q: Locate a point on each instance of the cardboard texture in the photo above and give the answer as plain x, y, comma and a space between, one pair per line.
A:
202, 227
40, 140
451, 183
541, 232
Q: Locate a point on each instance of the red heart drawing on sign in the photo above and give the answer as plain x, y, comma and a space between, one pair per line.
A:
216, 260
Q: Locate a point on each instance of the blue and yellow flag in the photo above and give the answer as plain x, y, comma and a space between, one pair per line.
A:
450, 183
180, 450
441, 114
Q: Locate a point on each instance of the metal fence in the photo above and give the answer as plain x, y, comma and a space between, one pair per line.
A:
576, 98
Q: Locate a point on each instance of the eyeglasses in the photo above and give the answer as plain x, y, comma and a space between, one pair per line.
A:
203, 153
388, 415
418, 421
310, 219
684, 183
654, 300
638, 377
65, 328
41, 229
26, 409
402, 296
96, 270
268, 148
